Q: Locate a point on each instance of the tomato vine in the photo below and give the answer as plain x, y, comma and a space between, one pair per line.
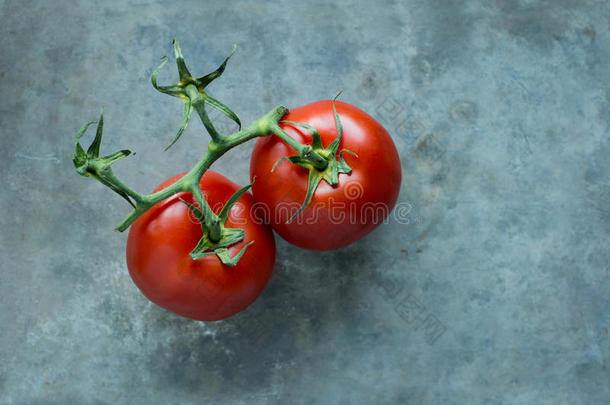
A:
322, 163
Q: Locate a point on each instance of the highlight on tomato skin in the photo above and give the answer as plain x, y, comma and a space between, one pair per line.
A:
337, 215
159, 263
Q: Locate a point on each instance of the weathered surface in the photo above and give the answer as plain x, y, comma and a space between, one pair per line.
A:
489, 285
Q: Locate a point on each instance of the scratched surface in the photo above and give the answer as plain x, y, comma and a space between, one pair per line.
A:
490, 284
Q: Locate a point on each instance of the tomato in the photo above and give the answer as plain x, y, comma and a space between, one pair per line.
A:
337, 215
158, 258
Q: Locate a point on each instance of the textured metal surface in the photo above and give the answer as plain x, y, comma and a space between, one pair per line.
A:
490, 286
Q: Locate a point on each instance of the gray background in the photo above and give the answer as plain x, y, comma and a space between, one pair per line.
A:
493, 288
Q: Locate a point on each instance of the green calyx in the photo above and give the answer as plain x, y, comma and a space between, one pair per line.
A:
90, 164
193, 94
330, 170
226, 236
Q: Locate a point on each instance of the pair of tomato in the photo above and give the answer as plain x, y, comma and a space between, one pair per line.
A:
160, 241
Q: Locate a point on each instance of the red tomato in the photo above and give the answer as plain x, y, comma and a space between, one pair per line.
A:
337, 215
158, 258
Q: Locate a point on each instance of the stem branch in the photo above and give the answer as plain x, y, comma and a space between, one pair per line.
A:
199, 105
190, 181
110, 177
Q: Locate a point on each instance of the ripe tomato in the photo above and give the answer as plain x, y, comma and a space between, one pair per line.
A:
158, 258
337, 215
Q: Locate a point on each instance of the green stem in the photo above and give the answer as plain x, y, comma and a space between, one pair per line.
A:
190, 181
192, 92
305, 151
110, 177
212, 223
199, 105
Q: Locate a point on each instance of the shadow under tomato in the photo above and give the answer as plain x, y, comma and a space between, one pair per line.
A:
311, 304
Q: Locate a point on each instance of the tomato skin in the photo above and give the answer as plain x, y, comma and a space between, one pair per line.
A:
337, 215
160, 241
